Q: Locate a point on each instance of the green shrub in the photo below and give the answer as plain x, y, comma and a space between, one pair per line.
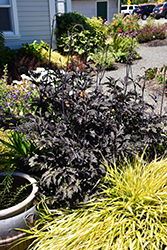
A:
3, 147
6, 54
33, 49
131, 23
122, 24
17, 150
133, 214
91, 33
120, 47
102, 58
29, 57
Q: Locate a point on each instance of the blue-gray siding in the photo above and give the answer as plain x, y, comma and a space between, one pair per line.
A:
88, 8
34, 22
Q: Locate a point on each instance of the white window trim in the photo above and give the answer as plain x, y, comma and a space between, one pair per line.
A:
52, 11
15, 24
107, 7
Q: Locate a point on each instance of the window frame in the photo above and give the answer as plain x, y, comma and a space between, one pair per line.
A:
61, 1
52, 7
14, 34
52, 11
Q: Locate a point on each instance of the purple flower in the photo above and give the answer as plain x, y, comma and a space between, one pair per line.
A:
106, 23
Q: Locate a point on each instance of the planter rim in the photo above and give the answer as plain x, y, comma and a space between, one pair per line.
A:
4, 213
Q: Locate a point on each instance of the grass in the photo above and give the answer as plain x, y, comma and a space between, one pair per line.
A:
133, 214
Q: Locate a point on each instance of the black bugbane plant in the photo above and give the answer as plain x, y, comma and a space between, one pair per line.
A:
78, 119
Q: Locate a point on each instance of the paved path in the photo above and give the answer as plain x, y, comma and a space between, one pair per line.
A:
151, 57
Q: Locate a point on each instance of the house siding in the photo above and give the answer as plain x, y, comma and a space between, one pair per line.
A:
34, 23
88, 8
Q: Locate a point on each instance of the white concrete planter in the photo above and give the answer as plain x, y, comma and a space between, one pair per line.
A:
20, 216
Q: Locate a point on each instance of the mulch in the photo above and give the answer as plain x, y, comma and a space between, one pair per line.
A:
155, 43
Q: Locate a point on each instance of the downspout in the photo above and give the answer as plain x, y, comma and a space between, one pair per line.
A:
119, 6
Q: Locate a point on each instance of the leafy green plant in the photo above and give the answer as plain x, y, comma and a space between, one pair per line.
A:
33, 49
160, 77
132, 214
124, 25
5, 186
91, 33
158, 73
102, 58
9, 195
3, 148
131, 23
6, 54
120, 47
19, 150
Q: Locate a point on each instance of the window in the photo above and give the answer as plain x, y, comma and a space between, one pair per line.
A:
60, 6
9, 19
124, 8
5, 23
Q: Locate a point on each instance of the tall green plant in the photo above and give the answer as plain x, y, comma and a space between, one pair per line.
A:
18, 147
87, 33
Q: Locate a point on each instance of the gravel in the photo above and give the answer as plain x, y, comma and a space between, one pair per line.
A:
153, 54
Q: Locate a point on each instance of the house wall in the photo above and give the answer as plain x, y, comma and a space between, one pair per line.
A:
88, 8
34, 22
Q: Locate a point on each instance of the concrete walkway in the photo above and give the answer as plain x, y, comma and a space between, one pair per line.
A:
151, 57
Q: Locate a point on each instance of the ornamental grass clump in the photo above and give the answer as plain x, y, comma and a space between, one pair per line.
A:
131, 215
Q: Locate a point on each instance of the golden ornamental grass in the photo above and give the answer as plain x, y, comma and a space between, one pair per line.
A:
4, 136
132, 216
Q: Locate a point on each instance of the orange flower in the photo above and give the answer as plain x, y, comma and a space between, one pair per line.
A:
113, 23
122, 21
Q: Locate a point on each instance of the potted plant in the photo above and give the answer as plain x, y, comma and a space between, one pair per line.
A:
18, 212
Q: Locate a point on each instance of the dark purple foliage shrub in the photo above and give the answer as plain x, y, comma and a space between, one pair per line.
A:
76, 122
147, 33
